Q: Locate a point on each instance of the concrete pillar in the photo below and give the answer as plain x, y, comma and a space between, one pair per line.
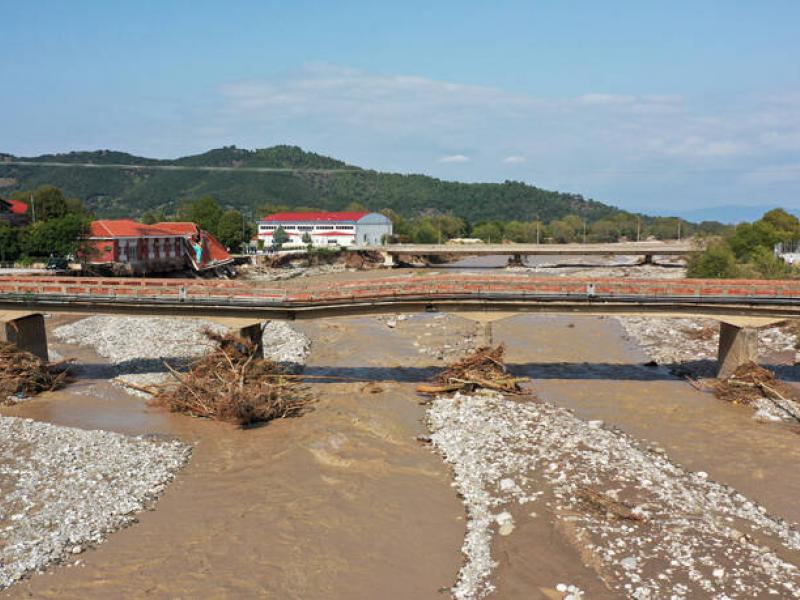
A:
737, 346
26, 333
648, 259
388, 259
255, 334
515, 261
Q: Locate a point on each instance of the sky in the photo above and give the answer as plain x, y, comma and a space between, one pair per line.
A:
653, 106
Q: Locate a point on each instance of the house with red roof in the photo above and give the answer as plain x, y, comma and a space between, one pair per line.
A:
13, 212
328, 228
127, 246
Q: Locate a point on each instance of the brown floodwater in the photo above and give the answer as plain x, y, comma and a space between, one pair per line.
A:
340, 503
345, 503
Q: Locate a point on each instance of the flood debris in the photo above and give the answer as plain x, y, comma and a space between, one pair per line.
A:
23, 374
233, 383
483, 369
751, 384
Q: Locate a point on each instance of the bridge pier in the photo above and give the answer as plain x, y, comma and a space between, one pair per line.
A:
388, 259
737, 346
254, 333
26, 333
648, 259
515, 261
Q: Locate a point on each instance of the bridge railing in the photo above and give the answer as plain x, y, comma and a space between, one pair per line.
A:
418, 287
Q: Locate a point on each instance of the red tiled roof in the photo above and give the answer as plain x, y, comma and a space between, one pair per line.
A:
179, 227
126, 228
315, 216
18, 207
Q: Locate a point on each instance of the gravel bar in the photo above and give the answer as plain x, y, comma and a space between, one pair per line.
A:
136, 346
63, 489
680, 536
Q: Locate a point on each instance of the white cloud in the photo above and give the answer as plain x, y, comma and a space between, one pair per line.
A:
596, 143
454, 158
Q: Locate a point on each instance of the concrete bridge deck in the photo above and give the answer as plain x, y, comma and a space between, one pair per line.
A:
615, 249
738, 304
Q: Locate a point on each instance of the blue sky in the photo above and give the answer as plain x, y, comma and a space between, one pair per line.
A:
657, 106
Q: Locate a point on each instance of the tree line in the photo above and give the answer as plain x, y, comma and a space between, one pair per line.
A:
748, 250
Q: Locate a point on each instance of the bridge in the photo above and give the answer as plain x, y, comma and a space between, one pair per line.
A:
741, 306
647, 250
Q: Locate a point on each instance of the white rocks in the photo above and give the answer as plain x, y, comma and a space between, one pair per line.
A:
65, 489
136, 346
505, 522
678, 534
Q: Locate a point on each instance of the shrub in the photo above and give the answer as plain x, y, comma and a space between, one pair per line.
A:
716, 262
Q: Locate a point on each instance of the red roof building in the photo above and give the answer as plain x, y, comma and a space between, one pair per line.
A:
139, 248
328, 228
14, 212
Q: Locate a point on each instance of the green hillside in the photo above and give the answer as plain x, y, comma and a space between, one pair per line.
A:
117, 191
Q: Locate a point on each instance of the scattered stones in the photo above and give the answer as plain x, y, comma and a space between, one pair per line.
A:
670, 537
64, 489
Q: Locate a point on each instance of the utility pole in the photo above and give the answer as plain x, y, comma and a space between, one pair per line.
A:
637, 229
679, 230
33, 209
537, 230
584, 231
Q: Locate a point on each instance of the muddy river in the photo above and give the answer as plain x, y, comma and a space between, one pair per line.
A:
346, 503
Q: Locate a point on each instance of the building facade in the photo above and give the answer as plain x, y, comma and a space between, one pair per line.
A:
328, 228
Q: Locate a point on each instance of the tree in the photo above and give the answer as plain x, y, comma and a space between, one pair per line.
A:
48, 203
58, 237
205, 212
488, 232
9, 243
562, 231
786, 224
307, 239
279, 237
232, 230
425, 233
716, 261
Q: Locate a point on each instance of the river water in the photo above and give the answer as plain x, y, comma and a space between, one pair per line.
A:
346, 503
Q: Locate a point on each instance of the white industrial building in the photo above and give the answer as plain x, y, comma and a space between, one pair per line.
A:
328, 228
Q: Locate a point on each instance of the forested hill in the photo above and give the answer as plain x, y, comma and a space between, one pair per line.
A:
160, 185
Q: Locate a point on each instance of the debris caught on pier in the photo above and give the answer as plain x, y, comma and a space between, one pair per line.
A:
23, 374
233, 383
751, 382
484, 368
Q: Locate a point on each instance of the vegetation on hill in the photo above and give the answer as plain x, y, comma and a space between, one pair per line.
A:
747, 251
120, 192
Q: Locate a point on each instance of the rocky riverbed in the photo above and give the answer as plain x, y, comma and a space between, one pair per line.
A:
137, 346
63, 490
648, 527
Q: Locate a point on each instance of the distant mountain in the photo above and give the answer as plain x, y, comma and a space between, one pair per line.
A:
150, 184
729, 213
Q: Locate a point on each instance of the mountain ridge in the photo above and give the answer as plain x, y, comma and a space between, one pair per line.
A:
115, 192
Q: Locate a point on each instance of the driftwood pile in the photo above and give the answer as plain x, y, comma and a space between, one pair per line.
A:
232, 383
23, 374
482, 369
750, 382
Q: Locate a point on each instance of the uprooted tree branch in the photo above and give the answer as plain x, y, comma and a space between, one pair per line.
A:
482, 369
232, 383
23, 374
